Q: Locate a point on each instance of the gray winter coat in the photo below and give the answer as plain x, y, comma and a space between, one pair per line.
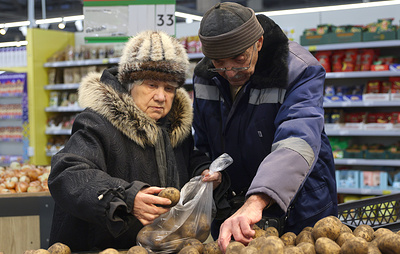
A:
108, 159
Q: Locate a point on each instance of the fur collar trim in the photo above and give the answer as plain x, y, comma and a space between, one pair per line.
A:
271, 68
119, 108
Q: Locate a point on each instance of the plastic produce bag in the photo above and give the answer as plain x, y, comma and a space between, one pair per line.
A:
189, 219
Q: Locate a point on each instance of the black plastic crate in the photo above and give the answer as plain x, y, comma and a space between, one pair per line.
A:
382, 211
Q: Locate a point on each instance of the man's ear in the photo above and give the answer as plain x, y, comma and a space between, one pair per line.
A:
260, 43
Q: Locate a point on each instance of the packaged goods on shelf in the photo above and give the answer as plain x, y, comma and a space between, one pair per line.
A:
383, 29
13, 57
347, 178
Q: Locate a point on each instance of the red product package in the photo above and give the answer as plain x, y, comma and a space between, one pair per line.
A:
337, 60
386, 86
374, 86
324, 58
395, 84
368, 56
349, 60
355, 117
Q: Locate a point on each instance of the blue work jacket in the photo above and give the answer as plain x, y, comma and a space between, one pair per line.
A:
273, 130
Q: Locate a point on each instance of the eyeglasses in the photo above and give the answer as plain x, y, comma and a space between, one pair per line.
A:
236, 69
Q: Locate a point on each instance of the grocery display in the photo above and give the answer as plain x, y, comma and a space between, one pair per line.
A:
361, 113
328, 235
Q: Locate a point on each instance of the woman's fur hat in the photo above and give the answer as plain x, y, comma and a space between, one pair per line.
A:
153, 55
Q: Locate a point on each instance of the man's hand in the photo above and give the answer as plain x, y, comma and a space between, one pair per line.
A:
215, 178
240, 223
145, 207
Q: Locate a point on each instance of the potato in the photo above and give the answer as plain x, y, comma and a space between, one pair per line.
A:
272, 245
188, 229
25, 252
109, 251
59, 248
356, 245
364, 231
304, 236
137, 250
389, 243
41, 251
344, 237
189, 250
195, 243
257, 242
307, 248
203, 227
172, 194
345, 228
381, 231
271, 231
373, 249
292, 250
234, 247
327, 227
308, 229
146, 235
258, 231
325, 245
249, 250
289, 238
212, 248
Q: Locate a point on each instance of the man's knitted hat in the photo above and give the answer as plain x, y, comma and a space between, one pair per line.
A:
153, 55
228, 29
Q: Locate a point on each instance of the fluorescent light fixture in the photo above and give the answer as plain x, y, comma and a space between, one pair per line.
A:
48, 21
74, 18
13, 44
15, 24
331, 8
188, 16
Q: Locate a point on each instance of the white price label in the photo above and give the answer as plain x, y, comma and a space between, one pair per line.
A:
154, 17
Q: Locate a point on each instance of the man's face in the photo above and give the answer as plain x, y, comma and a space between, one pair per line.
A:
246, 59
154, 97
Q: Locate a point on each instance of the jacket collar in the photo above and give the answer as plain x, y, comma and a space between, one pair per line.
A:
104, 94
271, 68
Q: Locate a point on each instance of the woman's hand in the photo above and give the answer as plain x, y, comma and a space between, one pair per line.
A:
215, 178
145, 207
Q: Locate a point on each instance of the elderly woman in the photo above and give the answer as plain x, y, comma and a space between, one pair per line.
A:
134, 135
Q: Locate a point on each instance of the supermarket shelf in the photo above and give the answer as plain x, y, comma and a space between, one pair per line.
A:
358, 191
368, 162
370, 133
355, 45
351, 104
64, 109
86, 62
59, 132
62, 86
362, 74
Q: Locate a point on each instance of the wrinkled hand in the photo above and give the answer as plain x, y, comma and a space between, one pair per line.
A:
145, 207
215, 178
240, 223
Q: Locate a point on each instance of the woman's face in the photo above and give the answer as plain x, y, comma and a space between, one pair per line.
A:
154, 97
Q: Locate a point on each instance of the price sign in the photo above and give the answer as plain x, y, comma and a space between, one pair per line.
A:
116, 21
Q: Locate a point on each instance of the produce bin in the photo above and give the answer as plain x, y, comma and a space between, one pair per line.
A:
382, 211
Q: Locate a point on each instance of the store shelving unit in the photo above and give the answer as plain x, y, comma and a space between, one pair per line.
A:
42, 44
334, 130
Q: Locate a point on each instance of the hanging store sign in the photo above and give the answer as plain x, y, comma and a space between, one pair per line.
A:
116, 21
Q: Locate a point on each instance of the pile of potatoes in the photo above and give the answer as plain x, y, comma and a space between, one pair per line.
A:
18, 178
328, 236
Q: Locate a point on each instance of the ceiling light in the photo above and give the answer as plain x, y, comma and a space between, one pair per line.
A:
13, 44
330, 8
48, 21
3, 31
187, 16
61, 25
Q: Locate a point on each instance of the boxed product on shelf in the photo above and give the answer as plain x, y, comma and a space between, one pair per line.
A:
347, 178
345, 34
374, 180
383, 29
316, 36
354, 151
